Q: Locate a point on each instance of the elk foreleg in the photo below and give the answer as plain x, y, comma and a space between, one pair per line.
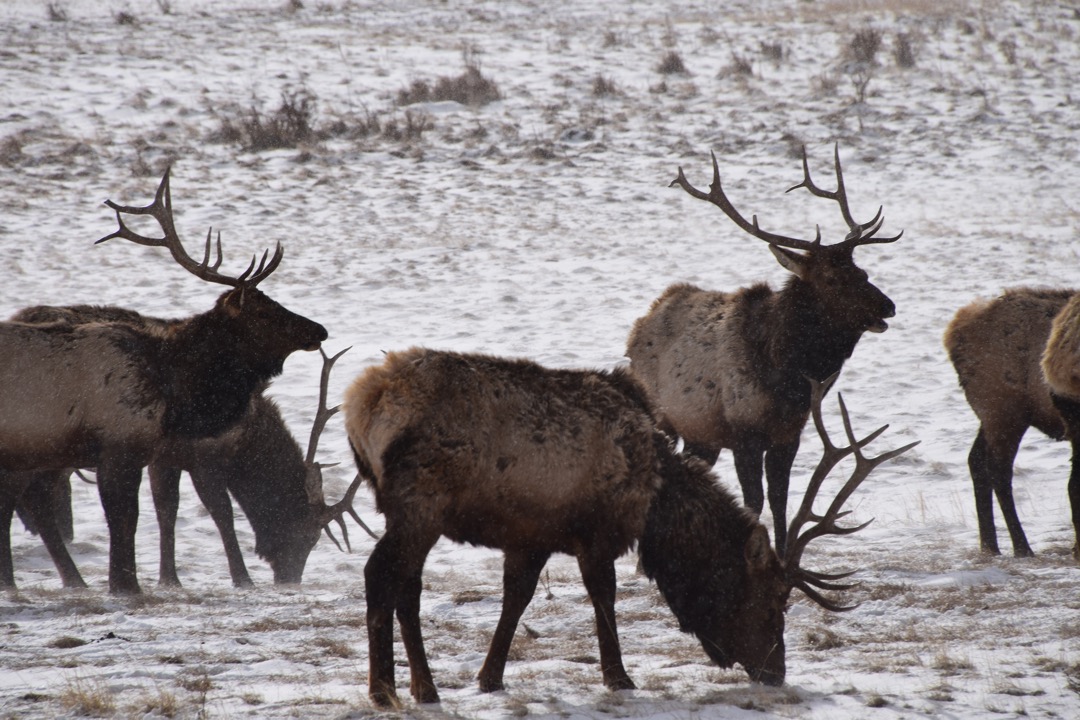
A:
599, 577
118, 486
521, 571
39, 500
778, 461
165, 488
393, 569
215, 497
748, 468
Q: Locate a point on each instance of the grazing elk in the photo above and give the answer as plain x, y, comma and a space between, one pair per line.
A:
1015, 358
257, 461
727, 369
107, 395
510, 455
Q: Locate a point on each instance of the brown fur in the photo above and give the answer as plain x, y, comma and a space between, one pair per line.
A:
106, 395
510, 455
997, 348
258, 461
728, 369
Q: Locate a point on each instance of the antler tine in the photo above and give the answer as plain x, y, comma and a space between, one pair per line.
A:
717, 197
337, 511
161, 210
826, 524
323, 414
860, 233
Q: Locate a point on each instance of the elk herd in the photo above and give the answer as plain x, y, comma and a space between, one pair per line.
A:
507, 454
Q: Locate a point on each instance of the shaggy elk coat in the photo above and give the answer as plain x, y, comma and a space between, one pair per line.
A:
1016, 360
728, 369
106, 395
510, 455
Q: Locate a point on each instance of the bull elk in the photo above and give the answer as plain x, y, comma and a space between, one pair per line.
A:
107, 395
258, 461
726, 369
510, 455
1016, 360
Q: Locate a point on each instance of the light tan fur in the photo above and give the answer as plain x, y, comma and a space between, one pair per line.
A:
1061, 359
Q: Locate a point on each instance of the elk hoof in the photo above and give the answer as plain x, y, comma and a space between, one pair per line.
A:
490, 685
386, 699
425, 694
621, 682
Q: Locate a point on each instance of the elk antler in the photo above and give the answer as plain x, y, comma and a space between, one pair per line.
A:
161, 210
807, 580
861, 234
717, 197
314, 481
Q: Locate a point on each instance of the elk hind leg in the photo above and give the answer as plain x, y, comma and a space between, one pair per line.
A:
991, 463
521, 571
598, 573
165, 489
391, 571
421, 683
40, 502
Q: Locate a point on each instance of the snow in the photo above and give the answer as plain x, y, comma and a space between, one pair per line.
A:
542, 225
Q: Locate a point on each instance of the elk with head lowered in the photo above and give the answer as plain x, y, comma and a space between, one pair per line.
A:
511, 455
727, 369
107, 395
1016, 359
257, 461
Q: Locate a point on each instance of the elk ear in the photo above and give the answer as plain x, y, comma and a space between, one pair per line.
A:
233, 301
792, 261
758, 550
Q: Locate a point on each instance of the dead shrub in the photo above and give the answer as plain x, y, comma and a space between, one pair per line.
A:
57, 11
864, 45
671, 64
66, 642
125, 18
83, 697
603, 86
740, 66
471, 88
773, 51
411, 127
289, 125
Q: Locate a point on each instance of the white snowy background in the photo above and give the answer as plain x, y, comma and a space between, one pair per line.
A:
542, 225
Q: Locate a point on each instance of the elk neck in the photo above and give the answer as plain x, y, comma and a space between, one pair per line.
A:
692, 548
211, 375
804, 341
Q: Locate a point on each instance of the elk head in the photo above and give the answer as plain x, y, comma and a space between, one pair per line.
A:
839, 287
261, 328
758, 644
287, 559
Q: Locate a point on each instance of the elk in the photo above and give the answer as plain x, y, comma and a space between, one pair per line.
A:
107, 395
257, 461
726, 369
511, 455
1015, 359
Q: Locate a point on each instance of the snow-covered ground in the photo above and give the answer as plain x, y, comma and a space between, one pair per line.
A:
541, 225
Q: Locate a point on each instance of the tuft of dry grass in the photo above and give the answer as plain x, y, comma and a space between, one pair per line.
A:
66, 642
603, 86
88, 697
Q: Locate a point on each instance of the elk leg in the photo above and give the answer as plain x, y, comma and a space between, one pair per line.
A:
991, 464
61, 502
778, 461
165, 488
599, 577
421, 683
216, 499
748, 468
397, 558
39, 501
1074, 497
118, 486
9, 496
521, 571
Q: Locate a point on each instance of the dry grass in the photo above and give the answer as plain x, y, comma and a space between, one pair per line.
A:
671, 64
87, 697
